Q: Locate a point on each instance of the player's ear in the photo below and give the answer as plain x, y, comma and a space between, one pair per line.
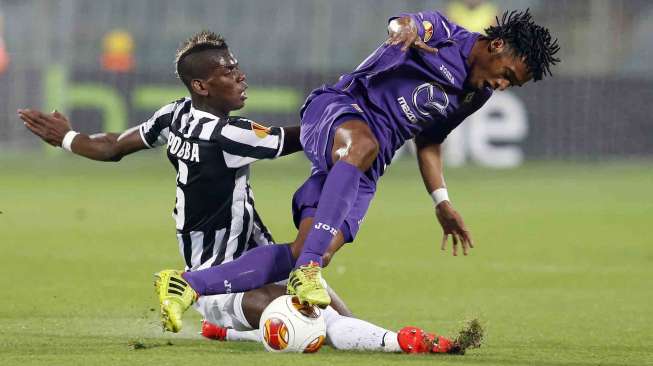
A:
198, 87
497, 45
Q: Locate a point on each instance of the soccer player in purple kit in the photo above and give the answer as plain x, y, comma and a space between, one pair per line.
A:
351, 130
422, 83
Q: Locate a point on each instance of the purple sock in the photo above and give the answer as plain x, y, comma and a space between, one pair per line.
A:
255, 268
338, 195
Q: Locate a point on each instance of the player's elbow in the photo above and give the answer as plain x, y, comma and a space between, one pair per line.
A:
115, 158
111, 154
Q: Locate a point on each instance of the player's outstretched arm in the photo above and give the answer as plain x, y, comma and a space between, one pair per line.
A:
53, 128
429, 158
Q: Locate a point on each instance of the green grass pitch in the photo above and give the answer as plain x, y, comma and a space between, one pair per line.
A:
562, 273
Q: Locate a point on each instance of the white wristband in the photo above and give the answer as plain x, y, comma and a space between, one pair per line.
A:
68, 140
440, 195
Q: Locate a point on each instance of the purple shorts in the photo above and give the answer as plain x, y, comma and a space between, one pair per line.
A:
322, 114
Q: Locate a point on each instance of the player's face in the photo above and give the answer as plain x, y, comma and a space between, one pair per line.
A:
498, 69
226, 83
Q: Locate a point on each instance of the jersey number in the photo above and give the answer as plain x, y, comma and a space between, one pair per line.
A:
180, 205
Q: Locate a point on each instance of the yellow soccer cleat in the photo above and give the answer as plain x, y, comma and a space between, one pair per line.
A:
175, 297
307, 284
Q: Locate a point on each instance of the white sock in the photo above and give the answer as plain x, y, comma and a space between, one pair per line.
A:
353, 334
243, 335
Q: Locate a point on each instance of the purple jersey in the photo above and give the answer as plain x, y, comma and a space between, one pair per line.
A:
405, 94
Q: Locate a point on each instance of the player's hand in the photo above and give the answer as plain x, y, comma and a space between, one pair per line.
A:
452, 224
404, 32
51, 128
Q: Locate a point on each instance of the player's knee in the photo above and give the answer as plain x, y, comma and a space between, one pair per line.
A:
363, 152
253, 305
255, 301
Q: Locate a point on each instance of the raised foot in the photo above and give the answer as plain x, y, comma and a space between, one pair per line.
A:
306, 283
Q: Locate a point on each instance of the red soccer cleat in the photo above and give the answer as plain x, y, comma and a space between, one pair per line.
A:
415, 340
212, 331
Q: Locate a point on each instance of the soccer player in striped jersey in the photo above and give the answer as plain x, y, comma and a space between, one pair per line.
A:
214, 211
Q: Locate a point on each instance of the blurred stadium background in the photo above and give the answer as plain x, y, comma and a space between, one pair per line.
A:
561, 273
113, 60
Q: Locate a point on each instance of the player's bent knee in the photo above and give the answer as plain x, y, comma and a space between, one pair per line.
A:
362, 152
367, 147
255, 301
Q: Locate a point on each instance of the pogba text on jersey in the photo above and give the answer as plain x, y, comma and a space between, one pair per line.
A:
182, 149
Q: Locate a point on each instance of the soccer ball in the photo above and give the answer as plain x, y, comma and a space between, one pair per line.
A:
288, 326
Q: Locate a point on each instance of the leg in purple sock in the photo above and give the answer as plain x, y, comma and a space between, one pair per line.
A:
338, 195
257, 267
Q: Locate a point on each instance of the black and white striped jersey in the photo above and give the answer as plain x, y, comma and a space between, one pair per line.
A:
214, 211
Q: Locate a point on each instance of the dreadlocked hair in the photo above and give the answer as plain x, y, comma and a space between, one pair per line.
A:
528, 40
198, 42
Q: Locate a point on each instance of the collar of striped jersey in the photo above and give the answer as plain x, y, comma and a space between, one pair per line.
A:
199, 114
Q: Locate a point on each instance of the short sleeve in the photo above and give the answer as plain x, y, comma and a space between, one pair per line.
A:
244, 141
435, 135
154, 131
439, 132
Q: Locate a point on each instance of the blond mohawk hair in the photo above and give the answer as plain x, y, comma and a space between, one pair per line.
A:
200, 41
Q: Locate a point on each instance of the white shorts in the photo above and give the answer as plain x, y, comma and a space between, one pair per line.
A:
224, 310
227, 310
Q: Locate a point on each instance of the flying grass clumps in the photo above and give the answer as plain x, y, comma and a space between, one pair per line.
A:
470, 336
